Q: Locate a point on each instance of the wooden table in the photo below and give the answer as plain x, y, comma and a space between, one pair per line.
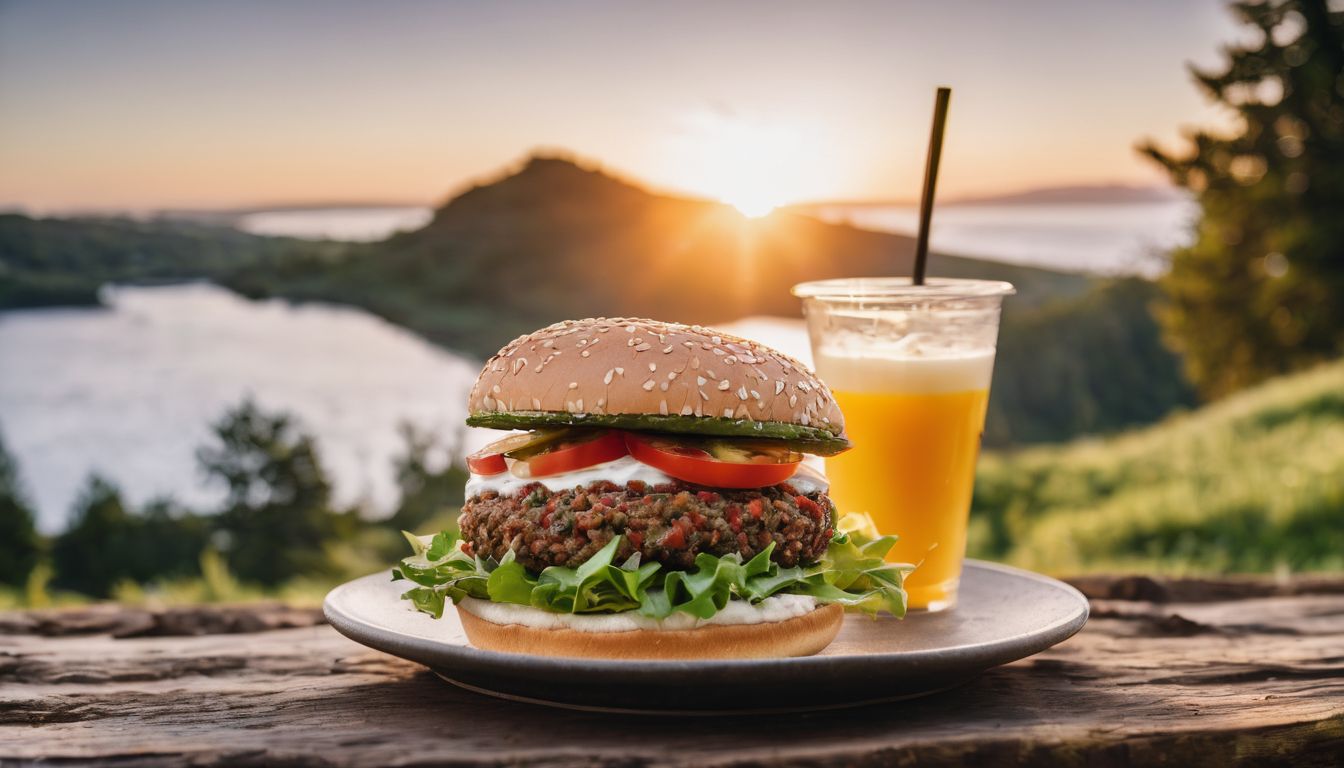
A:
1166, 672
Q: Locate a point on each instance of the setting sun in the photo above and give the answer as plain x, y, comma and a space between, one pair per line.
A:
754, 165
753, 206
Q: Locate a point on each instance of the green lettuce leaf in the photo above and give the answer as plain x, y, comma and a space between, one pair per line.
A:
852, 573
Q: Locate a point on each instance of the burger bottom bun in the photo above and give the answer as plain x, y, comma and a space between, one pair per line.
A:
799, 636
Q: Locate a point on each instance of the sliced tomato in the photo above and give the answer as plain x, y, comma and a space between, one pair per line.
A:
573, 452
490, 459
718, 463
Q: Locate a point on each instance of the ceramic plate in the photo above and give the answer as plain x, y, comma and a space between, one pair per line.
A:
1004, 614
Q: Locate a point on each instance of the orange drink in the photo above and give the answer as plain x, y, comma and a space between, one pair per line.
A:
910, 367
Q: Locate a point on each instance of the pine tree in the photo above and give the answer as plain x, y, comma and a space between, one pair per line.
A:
1261, 289
276, 521
93, 553
18, 536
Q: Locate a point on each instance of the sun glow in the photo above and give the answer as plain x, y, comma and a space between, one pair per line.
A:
753, 165
753, 206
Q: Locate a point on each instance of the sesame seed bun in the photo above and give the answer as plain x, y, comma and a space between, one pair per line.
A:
803, 635
683, 377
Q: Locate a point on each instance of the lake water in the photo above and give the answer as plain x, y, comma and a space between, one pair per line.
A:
1106, 238
353, 224
1109, 238
130, 391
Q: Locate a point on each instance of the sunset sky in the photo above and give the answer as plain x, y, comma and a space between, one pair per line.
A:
135, 105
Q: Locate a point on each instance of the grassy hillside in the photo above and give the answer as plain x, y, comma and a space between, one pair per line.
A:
1252, 483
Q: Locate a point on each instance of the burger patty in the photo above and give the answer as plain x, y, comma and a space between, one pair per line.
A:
668, 523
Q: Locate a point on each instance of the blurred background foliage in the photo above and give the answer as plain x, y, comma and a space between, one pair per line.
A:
1259, 292
275, 533
1225, 371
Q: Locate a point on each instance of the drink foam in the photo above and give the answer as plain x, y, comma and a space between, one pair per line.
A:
890, 371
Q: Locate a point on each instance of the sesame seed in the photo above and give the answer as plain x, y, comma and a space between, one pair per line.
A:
793, 400
710, 373
620, 371
489, 402
648, 385
573, 385
803, 385
662, 407
663, 386
695, 362
804, 420
756, 395
703, 396
519, 364
718, 351
536, 404
672, 375
607, 379
724, 385
579, 402
741, 393
728, 413
698, 410
548, 344
601, 401
729, 360
686, 410
495, 389
716, 339
538, 368
779, 387
629, 329
667, 349
641, 347
652, 367
700, 380
584, 353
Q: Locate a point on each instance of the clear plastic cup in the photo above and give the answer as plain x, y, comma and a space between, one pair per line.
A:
910, 367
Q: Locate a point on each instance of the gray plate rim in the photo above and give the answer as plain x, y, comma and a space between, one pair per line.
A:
983, 655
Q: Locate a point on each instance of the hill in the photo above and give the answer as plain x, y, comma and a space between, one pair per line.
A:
1252, 483
555, 240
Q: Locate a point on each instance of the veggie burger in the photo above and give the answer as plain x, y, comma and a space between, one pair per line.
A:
657, 505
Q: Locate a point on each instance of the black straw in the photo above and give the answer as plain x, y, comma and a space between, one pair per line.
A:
930, 182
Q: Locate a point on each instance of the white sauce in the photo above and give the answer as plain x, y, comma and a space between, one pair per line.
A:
771, 609
621, 471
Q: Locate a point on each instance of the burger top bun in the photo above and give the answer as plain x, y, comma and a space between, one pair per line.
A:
636, 366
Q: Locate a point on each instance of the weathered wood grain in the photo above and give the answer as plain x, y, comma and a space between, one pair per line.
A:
1222, 679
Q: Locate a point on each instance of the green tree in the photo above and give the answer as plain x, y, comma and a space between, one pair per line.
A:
276, 521
1261, 290
107, 542
19, 546
94, 552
